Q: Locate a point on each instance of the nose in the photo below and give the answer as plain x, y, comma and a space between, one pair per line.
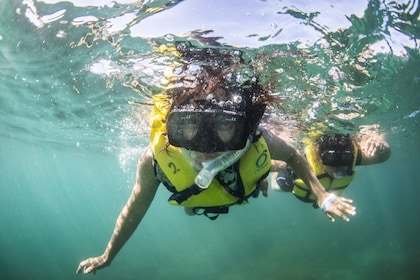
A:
202, 156
199, 156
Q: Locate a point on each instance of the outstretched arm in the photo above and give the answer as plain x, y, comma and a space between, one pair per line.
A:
139, 201
330, 205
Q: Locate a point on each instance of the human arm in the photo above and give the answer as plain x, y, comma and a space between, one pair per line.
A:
139, 201
281, 150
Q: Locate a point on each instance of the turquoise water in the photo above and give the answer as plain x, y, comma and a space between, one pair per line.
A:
72, 128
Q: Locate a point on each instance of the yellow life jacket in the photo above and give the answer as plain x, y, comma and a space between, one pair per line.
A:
253, 167
332, 185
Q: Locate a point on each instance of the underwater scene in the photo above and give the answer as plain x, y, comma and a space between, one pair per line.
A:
77, 79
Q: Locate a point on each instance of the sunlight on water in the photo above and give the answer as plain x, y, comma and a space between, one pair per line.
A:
77, 79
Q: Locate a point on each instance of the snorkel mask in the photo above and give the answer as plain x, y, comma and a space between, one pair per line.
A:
337, 150
211, 125
208, 130
217, 108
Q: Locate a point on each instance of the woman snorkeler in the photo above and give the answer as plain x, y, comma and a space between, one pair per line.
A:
207, 149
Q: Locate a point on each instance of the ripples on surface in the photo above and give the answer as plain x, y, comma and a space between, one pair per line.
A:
74, 69
75, 77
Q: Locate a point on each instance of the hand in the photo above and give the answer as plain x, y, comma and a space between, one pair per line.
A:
264, 187
372, 145
92, 264
338, 206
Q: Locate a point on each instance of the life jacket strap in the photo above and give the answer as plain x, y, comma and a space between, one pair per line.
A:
183, 195
211, 212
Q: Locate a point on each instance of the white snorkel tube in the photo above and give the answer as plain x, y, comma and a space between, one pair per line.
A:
214, 166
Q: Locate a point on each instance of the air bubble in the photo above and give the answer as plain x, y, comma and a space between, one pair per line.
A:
169, 37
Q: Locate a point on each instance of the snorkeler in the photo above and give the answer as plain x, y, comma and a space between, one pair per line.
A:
207, 150
333, 158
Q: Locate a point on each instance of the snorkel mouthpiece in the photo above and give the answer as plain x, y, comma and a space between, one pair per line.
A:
214, 166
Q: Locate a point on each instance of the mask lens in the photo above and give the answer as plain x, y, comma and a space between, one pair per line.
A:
346, 157
337, 158
182, 128
226, 127
188, 126
328, 157
207, 130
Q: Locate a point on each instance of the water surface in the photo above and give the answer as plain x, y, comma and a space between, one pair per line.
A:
73, 75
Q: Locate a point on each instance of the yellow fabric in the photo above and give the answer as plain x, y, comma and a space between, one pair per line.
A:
333, 185
158, 115
254, 165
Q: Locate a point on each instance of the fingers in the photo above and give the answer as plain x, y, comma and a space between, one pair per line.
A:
344, 208
372, 146
87, 266
369, 147
338, 206
345, 200
81, 266
331, 217
343, 204
344, 217
339, 214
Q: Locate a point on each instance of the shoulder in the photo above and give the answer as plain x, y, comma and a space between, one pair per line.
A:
279, 148
145, 175
145, 161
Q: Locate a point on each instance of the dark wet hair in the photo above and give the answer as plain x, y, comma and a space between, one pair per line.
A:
213, 84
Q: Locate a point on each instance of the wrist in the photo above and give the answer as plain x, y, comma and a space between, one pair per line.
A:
327, 202
106, 256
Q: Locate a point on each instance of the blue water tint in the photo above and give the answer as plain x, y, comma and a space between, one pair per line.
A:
76, 78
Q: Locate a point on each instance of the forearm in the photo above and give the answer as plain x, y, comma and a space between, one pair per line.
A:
126, 224
133, 212
136, 207
301, 167
280, 150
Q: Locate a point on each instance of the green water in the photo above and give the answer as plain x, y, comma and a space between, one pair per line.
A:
70, 137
